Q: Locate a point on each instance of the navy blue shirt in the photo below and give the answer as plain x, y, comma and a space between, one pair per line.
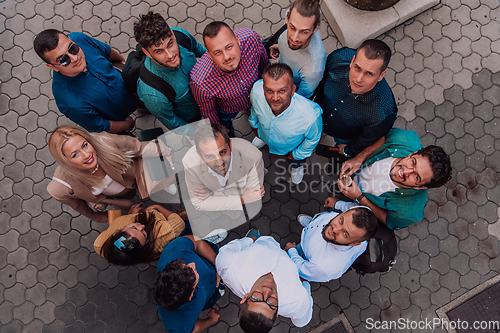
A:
94, 97
183, 319
356, 120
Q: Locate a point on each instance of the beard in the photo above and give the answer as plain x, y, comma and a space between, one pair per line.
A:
332, 241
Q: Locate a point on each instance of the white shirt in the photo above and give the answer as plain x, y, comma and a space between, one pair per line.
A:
242, 262
325, 261
223, 179
376, 178
109, 188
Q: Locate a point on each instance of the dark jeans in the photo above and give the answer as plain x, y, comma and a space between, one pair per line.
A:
226, 119
188, 230
295, 163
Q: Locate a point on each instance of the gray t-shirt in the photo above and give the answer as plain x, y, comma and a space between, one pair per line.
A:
308, 64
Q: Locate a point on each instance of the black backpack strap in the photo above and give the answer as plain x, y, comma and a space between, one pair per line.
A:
271, 41
183, 40
157, 83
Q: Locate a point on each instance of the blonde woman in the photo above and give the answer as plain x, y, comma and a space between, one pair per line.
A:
95, 170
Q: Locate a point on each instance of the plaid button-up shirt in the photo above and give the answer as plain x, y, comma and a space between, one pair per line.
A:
215, 90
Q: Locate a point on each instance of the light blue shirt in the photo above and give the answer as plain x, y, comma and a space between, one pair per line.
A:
297, 129
325, 261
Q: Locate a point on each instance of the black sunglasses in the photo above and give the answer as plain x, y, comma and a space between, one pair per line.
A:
65, 60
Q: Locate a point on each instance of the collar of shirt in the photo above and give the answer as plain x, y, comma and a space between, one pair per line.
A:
223, 180
286, 111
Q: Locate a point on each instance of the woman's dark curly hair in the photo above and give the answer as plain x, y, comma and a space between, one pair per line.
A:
174, 285
151, 29
132, 252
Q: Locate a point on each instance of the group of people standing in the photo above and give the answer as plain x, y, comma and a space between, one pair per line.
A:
383, 179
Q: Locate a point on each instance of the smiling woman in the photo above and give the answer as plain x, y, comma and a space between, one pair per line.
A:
140, 236
94, 170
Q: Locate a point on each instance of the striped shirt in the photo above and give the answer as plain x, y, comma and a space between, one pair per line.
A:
215, 90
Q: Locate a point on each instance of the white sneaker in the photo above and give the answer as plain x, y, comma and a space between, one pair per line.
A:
172, 189
216, 236
258, 142
297, 174
304, 219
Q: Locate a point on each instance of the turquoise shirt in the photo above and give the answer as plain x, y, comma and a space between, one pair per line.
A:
297, 129
184, 109
404, 205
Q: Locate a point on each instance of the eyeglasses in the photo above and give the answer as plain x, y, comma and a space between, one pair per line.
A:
65, 60
257, 296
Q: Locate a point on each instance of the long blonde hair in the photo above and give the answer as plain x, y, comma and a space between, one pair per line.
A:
119, 161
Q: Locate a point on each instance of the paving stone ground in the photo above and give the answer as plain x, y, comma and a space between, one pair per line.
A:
445, 77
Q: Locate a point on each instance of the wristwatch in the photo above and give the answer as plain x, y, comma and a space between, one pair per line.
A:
358, 199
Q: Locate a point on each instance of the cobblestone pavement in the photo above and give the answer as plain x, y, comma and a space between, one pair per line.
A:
445, 77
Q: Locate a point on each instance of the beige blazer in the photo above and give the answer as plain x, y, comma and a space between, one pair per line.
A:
247, 172
78, 193
166, 230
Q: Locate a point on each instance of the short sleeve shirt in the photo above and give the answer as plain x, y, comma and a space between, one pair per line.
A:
183, 319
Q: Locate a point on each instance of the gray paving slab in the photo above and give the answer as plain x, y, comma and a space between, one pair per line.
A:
446, 80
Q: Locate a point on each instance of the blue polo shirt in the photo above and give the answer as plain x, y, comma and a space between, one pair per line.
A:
183, 319
94, 97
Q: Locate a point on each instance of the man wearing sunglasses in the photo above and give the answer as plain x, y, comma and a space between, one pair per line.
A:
267, 281
87, 88
393, 180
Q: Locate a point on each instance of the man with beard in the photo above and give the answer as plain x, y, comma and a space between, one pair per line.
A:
300, 46
394, 179
222, 173
222, 78
171, 62
332, 241
289, 123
